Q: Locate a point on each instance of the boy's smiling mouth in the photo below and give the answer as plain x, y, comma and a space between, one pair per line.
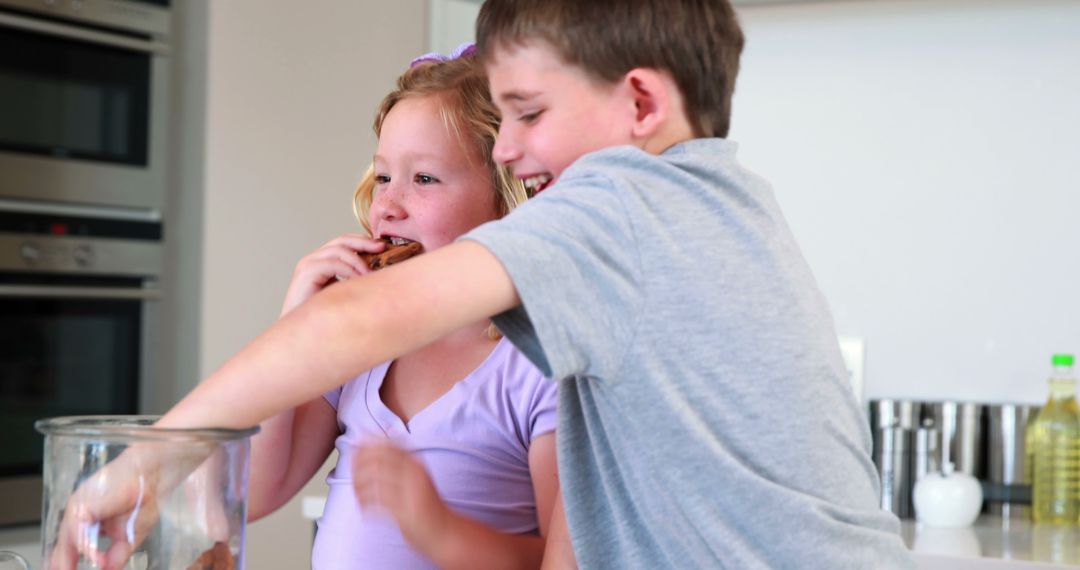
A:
537, 182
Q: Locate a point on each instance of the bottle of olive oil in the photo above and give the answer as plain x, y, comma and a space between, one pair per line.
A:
1055, 449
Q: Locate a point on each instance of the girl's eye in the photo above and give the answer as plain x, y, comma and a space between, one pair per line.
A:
382, 179
426, 179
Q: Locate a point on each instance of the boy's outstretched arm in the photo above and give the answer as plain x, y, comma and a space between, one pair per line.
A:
346, 329
325, 342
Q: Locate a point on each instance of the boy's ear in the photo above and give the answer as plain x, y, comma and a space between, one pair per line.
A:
652, 99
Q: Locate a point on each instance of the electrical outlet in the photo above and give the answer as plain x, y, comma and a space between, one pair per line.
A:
853, 349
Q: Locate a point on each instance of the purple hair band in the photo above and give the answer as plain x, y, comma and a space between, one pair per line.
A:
464, 50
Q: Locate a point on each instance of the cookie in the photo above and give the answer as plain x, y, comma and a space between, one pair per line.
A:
391, 255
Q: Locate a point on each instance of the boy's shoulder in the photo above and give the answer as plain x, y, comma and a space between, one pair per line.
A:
698, 164
631, 158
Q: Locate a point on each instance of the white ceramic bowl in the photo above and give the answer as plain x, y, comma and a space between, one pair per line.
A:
947, 499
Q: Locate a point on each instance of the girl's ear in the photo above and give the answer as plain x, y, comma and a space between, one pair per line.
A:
650, 91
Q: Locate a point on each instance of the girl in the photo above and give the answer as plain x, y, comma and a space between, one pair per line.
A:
468, 407
454, 442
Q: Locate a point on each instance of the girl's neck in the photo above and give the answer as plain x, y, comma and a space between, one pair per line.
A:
459, 351
422, 376
472, 335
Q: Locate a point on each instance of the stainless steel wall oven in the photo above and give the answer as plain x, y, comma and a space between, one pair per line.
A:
84, 101
83, 159
78, 296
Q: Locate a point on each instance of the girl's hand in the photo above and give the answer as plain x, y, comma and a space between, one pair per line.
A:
387, 477
337, 259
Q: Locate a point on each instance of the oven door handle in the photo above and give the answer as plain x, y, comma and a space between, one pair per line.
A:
53, 292
84, 34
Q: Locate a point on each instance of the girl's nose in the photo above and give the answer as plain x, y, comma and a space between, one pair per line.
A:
386, 204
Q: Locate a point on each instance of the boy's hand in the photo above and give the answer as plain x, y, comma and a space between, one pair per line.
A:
119, 502
388, 477
124, 518
337, 259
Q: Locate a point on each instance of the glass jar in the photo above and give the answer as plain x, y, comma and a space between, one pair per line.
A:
12, 561
121, 493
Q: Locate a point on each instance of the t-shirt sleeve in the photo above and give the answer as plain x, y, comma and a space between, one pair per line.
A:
571, 255
334, 396
543, 408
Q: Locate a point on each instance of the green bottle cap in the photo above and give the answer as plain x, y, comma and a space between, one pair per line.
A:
1062, 360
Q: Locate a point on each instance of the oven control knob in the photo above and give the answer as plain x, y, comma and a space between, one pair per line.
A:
30, 251
83, 255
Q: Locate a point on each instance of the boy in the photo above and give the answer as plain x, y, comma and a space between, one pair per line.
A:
705, 420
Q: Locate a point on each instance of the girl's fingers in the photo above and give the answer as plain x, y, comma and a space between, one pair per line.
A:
339, 269
376, 474
315, 264
354, 261
318, 275
356, 243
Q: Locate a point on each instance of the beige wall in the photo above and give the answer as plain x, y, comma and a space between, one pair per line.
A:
290, 96
275, 142
272, 129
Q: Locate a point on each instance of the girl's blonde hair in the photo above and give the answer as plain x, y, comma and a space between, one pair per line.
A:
468, 114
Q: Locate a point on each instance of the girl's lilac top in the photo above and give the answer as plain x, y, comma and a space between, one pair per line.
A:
474, 441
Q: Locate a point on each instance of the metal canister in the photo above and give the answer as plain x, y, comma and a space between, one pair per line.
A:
887, 413
1005, 486
960, 426
893, 460
926, 451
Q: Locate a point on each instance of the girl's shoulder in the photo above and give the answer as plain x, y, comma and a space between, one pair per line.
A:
512, 389
518, 380
512, 364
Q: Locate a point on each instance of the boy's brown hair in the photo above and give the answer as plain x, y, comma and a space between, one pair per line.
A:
697, 41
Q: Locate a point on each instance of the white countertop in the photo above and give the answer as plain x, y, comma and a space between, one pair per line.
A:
993, 542
312, 506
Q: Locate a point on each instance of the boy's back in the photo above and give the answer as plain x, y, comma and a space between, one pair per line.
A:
705, 416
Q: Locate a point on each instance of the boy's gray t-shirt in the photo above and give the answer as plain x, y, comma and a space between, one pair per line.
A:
705, 419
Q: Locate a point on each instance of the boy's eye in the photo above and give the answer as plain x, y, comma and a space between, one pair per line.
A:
530, 117
426, 179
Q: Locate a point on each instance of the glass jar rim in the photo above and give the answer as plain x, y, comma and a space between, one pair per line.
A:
134, 428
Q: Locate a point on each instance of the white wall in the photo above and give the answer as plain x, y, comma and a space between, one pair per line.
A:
452, 23
924, 153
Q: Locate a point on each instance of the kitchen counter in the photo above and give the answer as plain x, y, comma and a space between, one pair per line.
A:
312, 506
993, 542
